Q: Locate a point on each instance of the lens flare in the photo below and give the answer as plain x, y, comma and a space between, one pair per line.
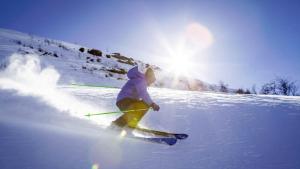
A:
123, 133
95, 166
182, 53
199, 35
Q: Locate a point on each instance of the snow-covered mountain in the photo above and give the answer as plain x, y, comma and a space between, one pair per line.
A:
83, 65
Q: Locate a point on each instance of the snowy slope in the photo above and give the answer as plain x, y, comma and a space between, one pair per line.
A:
81, 67
226, 131
46, 128
42, 122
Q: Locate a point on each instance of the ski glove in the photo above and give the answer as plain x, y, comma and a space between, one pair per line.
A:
155, 107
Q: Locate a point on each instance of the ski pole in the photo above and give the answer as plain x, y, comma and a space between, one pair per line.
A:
114, 112
90, 85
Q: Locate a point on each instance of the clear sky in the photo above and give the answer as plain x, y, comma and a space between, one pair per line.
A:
240, 42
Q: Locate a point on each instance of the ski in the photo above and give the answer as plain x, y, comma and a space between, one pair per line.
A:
154, 139
160, 140
179, 136
149, 135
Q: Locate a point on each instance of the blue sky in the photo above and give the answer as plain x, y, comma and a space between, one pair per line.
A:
253, 41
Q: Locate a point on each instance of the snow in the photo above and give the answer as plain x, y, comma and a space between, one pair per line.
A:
225, 132
42, 124
81, 67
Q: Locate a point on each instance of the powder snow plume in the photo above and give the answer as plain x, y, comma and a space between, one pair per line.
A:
25, 75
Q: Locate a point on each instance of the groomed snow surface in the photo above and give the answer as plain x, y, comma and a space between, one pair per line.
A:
43, 126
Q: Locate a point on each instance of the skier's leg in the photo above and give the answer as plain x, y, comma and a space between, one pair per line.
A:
121, 121
131, 118
123, 105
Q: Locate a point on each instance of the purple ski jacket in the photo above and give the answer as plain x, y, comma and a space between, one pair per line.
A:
136, 87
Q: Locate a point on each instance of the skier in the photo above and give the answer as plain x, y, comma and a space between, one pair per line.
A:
134, 100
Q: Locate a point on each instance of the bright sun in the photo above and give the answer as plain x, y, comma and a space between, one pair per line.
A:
180, 65
195, 38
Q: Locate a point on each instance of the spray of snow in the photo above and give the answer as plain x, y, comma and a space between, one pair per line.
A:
25, 75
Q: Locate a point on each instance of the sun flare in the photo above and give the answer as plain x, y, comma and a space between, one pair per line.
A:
199, 35
191, 42
180, 66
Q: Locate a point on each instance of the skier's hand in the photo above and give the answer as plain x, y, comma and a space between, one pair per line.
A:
155, 107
